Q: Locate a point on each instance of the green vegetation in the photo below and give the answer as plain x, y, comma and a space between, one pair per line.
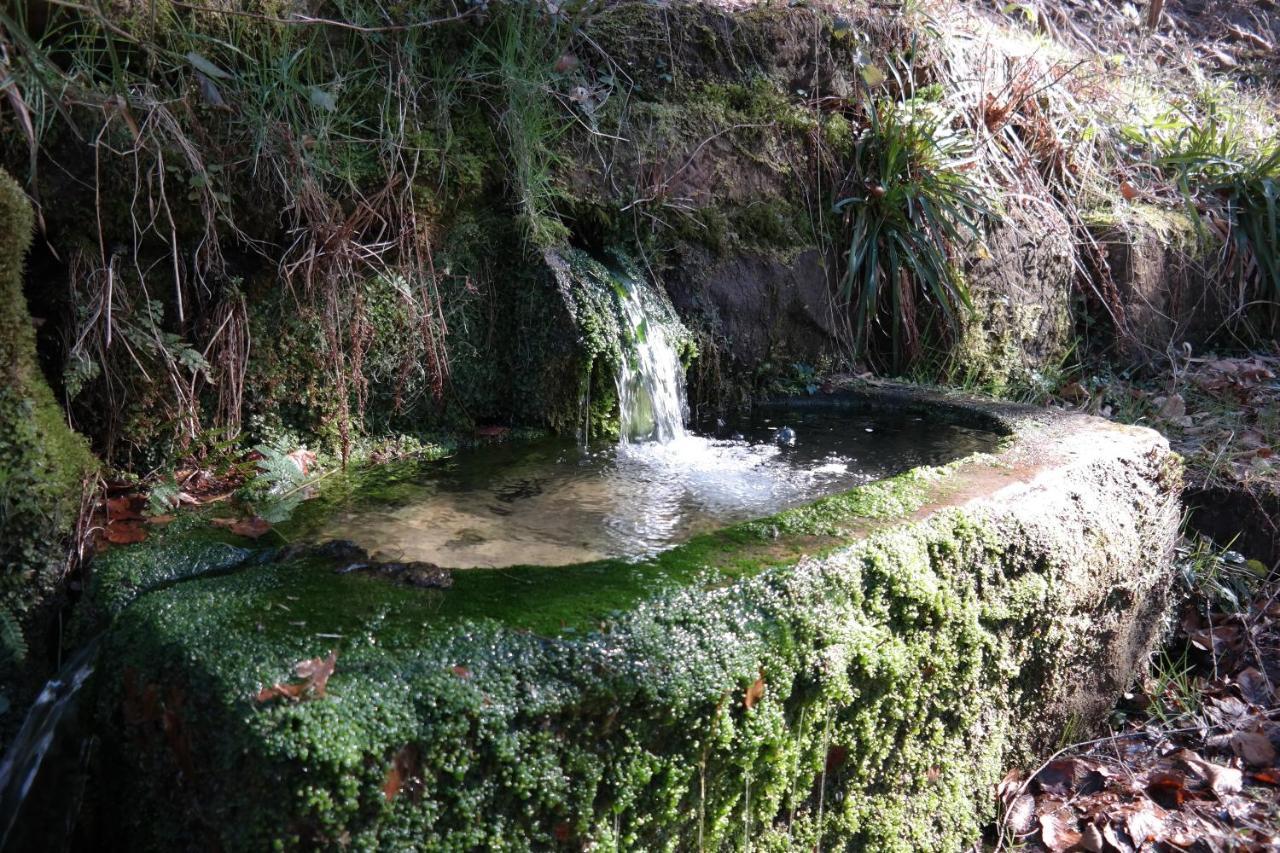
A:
750, 689
45, 468
913, 210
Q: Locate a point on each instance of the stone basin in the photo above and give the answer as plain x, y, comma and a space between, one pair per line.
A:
854, 673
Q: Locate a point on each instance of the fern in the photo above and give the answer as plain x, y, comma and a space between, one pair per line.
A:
13, 645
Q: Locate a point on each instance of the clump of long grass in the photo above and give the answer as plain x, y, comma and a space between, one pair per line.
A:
1219, 169
329, 148
907, 205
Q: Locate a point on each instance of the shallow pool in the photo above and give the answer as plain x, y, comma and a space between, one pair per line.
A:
552, 502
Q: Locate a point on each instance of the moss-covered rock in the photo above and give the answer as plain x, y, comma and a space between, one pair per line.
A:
43, 464
852, 674
1170, 285
1020, 331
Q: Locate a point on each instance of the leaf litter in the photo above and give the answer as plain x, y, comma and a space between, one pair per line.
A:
1191, 761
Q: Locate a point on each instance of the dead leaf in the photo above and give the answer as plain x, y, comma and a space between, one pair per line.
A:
1091, 839
312, 678
1021, 817
1167, 788
1144, 825
124, 532
1267, 777
122, 508
304, 460
1058, 777
1010, 786
1254, 747
1074, 393
1173, 407
1128, 191
1254, 686
754, 693
1057, 832
251, 528
1117, 838
404, 766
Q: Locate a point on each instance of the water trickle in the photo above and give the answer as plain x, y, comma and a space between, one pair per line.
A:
651, 397
42, 733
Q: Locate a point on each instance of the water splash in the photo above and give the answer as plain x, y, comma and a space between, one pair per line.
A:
651, 395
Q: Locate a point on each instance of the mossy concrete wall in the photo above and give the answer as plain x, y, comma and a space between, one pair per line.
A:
43, 464
852, 674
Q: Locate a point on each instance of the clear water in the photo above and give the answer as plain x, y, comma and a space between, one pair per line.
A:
552, 502
651, 398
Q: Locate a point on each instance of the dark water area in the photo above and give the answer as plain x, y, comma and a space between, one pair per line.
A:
553, 502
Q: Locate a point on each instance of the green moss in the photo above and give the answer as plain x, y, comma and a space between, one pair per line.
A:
493, 718
44, 466
890, 677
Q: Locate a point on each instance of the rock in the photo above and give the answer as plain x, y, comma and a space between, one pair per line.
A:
990, 605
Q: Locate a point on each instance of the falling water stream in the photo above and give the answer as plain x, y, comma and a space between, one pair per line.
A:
554, 502
50, 726
651, 399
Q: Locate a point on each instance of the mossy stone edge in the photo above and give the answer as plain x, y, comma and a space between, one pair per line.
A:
862, 689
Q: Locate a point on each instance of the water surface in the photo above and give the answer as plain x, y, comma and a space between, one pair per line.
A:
552, 502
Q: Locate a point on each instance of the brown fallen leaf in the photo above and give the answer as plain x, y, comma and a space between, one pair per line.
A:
1074, 393
1221, 780
404, 766
1021, 817
312, 676
124, 532
1117, 838
754, 693
1267, 777
1173, 407
1058, 777
304, 460
1167, 788
1145, 825
251, 528
124, 507
1091, 839
1058, 833
1254, 686
1254, 747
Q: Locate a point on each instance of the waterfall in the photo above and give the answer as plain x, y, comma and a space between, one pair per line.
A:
651, 397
